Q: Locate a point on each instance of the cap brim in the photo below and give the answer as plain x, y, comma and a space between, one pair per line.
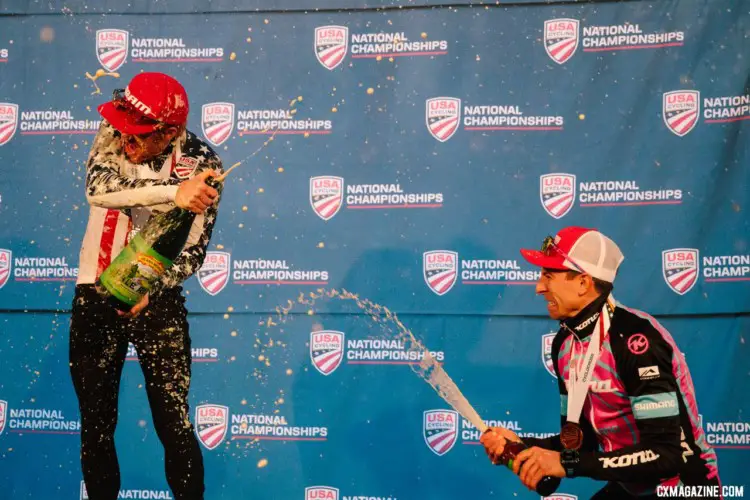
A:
122, 120
537, 258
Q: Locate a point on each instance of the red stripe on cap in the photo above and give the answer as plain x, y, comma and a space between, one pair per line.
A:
108, 238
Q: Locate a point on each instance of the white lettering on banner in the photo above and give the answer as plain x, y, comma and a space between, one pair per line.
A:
626, 37
4, 55
726, 109
38, 420
728, 434
370, 45
51, 122
249, 426
609, 193
726, 268
43, 269
168, 49
263, 271
496, 271
639, 457
389, 196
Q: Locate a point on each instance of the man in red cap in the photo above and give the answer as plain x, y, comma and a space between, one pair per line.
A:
143, 161
628, 412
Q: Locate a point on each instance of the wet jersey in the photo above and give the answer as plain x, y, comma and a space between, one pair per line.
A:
640, 417
123, 196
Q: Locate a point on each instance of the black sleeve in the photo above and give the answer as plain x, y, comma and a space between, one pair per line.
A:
655, 402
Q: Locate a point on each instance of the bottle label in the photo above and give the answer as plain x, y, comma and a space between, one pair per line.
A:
131, 275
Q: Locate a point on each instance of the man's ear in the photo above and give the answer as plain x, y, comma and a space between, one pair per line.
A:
171, 132
586, 283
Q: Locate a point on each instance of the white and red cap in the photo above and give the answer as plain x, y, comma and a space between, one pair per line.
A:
149, 99
579, 249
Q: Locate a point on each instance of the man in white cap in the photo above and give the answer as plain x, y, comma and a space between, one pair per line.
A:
628, 409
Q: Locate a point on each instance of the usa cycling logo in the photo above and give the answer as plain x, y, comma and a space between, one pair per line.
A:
547, 360
561, 39
442, 115
680, 109
8, 121
321, 493
326, 350
111, 48
557, 193
5, 263
211, 423
217, 121
561, 496
326, 195
3, 414
440, 430
331, 45
213, 275
680, 269
440, 270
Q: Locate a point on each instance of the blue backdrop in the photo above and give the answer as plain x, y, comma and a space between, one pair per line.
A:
427, 140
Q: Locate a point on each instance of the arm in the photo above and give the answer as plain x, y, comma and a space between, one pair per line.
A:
105, 187
194, 253
656, 408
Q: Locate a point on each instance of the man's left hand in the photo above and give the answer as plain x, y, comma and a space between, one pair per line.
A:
534, 463
136, 309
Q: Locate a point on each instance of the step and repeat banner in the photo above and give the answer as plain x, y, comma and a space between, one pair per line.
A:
393, 161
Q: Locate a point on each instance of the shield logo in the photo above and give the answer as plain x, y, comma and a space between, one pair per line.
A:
440, 430
185, 167
213, 275
3, 414
561, 496
217, 121
211, 423
680, 268
111, 48
547, 353
442, 115
326, 195
5, 260
440, 269
558, 193
84, 493
561, 39
680, 110
331, 44
321, 493
326, 350
8, 121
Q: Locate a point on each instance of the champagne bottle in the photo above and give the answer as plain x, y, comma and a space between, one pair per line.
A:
146, 258
546, 486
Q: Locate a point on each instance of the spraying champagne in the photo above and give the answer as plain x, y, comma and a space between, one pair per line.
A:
434, 374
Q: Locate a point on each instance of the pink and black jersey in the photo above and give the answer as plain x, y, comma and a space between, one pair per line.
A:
640, 418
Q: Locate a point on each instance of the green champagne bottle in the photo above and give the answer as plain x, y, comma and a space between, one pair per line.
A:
147, 257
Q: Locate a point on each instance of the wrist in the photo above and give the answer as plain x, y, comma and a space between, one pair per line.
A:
571, 462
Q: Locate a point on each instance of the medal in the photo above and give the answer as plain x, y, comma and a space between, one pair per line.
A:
571, 436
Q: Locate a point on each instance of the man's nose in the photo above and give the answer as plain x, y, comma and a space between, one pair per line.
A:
540, 288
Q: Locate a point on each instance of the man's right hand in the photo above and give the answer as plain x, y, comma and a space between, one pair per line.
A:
494, 440
195, 195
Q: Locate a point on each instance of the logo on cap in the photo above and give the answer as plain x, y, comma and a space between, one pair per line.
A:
557, 192
326, 195
217, 120
321, 493
680, 110
326, 350
440, 269
547, 360
111, 48
442, 115
561, 39
8, 121
440, 429
211, 422
5, 260
213, 275
331, 44
680, 268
